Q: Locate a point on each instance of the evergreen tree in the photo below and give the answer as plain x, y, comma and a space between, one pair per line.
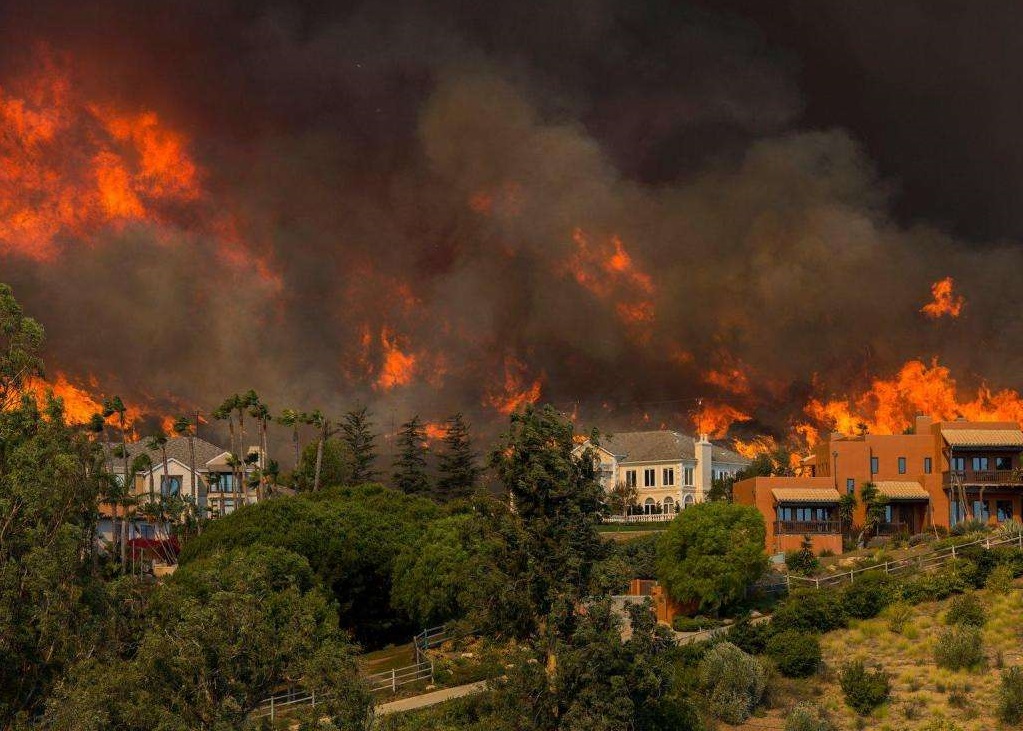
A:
459, 469
410, 467
357, 433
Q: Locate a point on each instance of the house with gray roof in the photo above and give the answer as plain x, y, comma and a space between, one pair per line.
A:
669, 470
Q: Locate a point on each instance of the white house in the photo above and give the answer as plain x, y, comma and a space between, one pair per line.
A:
669, 470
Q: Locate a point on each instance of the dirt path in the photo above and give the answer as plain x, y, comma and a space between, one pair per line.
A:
430, 699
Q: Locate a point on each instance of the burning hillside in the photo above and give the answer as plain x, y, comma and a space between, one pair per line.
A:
333, 220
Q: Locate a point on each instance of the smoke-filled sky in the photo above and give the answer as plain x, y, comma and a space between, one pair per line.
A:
428, 207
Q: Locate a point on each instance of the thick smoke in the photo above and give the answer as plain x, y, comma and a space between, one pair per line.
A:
413, 178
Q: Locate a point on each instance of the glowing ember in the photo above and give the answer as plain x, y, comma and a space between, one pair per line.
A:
610, 274
516, 391
945, 302
70, 166
890, 405
434, 432
715, 419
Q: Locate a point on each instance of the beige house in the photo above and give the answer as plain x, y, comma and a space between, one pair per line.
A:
669, 470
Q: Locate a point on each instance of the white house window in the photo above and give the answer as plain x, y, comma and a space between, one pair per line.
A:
649, 477
668, 476
630, 478
687, 476
669, 505
650, 506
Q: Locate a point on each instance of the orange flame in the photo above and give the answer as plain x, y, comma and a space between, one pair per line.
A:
398, 367
72, 166
434, 431
945, 303
517, 389
715, 419
610, 274
79, 403
890, 405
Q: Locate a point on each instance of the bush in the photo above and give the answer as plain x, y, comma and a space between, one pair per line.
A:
808, 717
802, 561
694, 624
878, 542
750, 636
920, 538
966, 609
811, 611
1010, 697
898, 616
734, 682
955, 577
999, 581
797, 654
959, 647
868, 595
1009, 529
826, 553
864, 690
966, 527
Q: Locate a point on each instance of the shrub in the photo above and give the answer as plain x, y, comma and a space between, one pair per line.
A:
864, 690
808, 717
811, 611
1010, 697
802, 561
869, 594
1009, 529
965, 527
920, 538
898, 616
940, 723
999, 581
959, 647
954, 578
797, 654
878, 542
694, 624
734, 682
966, 609
750, 636
826, 553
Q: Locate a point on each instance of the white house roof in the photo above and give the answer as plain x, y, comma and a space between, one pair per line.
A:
663, 446
177, 449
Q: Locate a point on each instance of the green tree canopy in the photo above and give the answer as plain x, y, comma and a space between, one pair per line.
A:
337, 468
711, 553
357, 434
459, 467
410, 466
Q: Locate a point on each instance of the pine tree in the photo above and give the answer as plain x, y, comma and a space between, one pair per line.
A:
356, 430
410, 467
459, 469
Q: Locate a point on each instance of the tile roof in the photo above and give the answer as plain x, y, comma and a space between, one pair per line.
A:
983, 437
902, 490
663, 445
805, 495
177, 448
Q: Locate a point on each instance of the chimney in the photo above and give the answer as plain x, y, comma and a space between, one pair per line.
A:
922, 424
702, 478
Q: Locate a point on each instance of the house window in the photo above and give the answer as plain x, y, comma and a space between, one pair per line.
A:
888, 514
1003, 510
669, 505
902, 465
957, 512
850, 485
649, 506
981, 511
959, 464
668, 476
980, 463
649, 477
928, 465
630, 478
1003, 463
874, 468
170, 485
687, 476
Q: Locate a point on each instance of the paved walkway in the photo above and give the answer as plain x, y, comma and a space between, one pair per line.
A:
430, 699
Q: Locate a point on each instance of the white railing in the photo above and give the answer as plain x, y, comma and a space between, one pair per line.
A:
388, 680
641, 518
922, 562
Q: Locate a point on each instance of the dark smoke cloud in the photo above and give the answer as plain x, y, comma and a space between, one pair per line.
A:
350, 140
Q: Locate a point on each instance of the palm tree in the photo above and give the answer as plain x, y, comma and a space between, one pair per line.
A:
113, 406
326, 430
292, 418
242, 404
225, 412
261, 412
183, 427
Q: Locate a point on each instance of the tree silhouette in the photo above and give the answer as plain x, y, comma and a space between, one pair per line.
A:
410, 467
459, 467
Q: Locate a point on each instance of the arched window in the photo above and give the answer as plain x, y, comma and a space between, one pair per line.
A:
687, 501
650, 506
669, 505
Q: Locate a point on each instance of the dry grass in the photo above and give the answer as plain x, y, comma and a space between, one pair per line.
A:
921, 691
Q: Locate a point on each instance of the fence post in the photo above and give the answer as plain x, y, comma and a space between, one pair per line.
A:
886, 567
314, 699
817, 582
394, 684
953, 551
1020, 537
431, 672
271, 708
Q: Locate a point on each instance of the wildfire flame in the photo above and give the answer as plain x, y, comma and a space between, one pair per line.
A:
516, 391
398, 367
610, 274
944, 302
890, 405
434, 432
71, 166
714, 419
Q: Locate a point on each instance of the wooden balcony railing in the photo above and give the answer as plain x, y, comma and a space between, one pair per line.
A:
985, 477
802, 527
